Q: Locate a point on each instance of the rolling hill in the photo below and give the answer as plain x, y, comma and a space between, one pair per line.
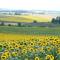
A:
26, 18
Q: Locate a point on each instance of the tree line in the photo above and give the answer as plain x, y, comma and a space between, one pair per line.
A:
56, 20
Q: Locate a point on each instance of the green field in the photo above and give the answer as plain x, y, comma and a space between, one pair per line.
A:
30, 30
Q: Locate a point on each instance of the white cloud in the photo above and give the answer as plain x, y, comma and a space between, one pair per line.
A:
31, 4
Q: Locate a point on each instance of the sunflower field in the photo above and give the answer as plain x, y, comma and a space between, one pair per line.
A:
29, 47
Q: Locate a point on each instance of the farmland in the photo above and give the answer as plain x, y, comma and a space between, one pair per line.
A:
30, 30
29, 43
30, 47
26, 18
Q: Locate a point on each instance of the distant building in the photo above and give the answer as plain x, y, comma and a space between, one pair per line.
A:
9, 23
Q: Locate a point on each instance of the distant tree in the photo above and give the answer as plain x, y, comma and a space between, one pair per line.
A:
34, 21
2, 24
9, 24
53, 20
59, 21
17, 13
56, 20
19, 24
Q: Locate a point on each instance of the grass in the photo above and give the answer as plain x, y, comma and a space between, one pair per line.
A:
30, 30
26, 18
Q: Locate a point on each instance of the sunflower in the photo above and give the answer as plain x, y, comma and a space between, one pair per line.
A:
31, 49
41, 49
24, 51
31, 43
37, 58
14, 54
48, 48
7, 53
49, 57
58, 50
3, 58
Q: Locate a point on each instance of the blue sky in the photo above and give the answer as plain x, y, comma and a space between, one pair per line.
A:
31, 4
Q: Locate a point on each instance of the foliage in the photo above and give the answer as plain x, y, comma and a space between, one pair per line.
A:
56, 20
2, 24
19, 24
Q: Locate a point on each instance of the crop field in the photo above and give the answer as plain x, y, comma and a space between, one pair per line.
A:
26, 18
29, 47
30, 30
29, 43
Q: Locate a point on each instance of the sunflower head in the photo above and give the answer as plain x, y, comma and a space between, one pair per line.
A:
36, 58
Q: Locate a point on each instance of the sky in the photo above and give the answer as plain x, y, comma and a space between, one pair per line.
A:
31, 4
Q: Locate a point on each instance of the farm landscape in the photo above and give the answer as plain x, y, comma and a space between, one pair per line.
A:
24, 40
